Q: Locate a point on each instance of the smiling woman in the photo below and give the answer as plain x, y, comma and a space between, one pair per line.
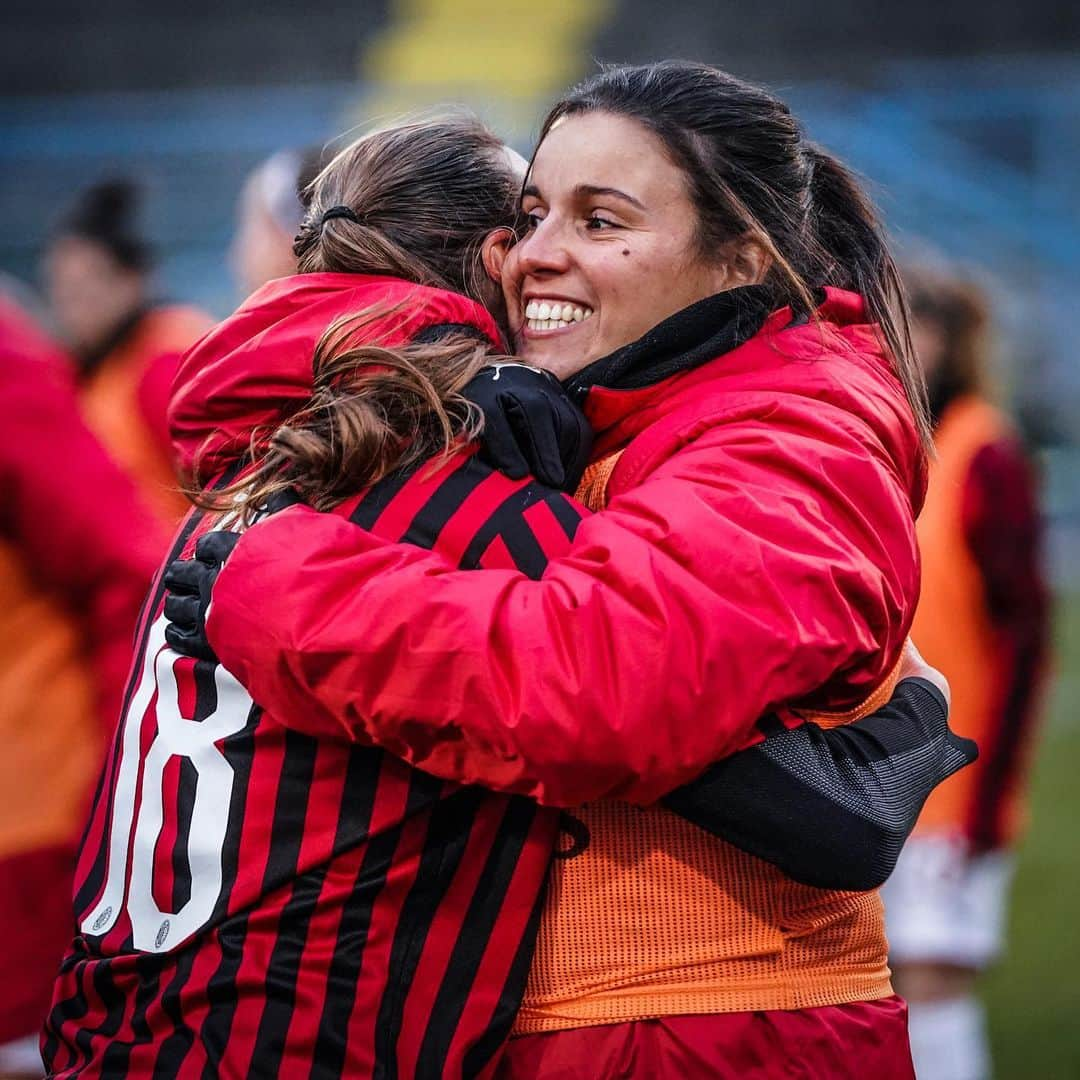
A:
699, 200
591, 246
743, 357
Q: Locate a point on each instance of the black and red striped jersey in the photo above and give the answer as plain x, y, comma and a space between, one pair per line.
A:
251, 901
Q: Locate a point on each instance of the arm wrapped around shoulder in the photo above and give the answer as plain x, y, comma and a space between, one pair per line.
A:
832, 807
767, 558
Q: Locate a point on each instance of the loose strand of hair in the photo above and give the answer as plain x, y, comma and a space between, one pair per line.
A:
375, 409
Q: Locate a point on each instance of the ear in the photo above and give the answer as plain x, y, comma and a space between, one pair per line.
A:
494, 250
749, 264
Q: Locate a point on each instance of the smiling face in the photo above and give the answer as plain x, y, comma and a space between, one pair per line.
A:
611, 248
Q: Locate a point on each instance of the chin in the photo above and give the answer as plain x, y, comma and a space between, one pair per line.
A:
554, 365
562, 363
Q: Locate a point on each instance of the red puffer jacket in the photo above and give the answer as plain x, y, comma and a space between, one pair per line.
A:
758, 549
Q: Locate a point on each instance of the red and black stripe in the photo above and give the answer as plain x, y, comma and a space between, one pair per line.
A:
404, 907
476, 935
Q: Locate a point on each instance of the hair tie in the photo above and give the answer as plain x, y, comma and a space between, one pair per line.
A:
339, 212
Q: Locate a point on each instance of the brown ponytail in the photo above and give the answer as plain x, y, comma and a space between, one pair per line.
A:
852, 253
373, 410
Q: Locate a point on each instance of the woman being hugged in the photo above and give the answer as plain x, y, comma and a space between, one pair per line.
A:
252, 901
719, 296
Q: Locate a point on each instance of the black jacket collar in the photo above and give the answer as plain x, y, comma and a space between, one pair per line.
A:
684, 341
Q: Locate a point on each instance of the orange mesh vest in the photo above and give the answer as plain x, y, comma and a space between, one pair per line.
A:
952, 626
109, 400
655, 917
48, 721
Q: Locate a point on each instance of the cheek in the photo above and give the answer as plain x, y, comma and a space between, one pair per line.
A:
96, 294
626, 282
77, 295
511, 279
513, 270
91, 309
616, 270
665, 281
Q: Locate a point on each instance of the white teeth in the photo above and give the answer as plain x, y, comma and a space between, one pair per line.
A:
548, 324
554, 314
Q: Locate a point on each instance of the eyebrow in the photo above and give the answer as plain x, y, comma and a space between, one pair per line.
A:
589, 191
592, 190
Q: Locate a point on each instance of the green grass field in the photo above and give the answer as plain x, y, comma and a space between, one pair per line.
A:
1034, 993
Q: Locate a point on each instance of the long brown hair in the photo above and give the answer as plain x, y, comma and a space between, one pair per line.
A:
752, 174
422, 197
372, 410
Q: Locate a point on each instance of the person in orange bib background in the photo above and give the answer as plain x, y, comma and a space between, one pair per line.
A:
982, 620
98, 278
77, 551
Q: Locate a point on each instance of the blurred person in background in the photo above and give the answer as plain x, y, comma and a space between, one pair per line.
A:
982, 619
268, 217
77, 550
127, 344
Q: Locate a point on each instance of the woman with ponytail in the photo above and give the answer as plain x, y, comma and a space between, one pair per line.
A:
719, 297
251, 900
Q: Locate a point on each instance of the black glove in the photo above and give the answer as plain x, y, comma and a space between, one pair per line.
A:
531, 427
190, 583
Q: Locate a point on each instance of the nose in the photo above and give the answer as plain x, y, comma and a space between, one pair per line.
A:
544, 252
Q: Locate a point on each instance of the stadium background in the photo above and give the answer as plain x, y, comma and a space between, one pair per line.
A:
964, 116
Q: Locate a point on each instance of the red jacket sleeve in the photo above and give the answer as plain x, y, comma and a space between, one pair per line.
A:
76, 516
758, 564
